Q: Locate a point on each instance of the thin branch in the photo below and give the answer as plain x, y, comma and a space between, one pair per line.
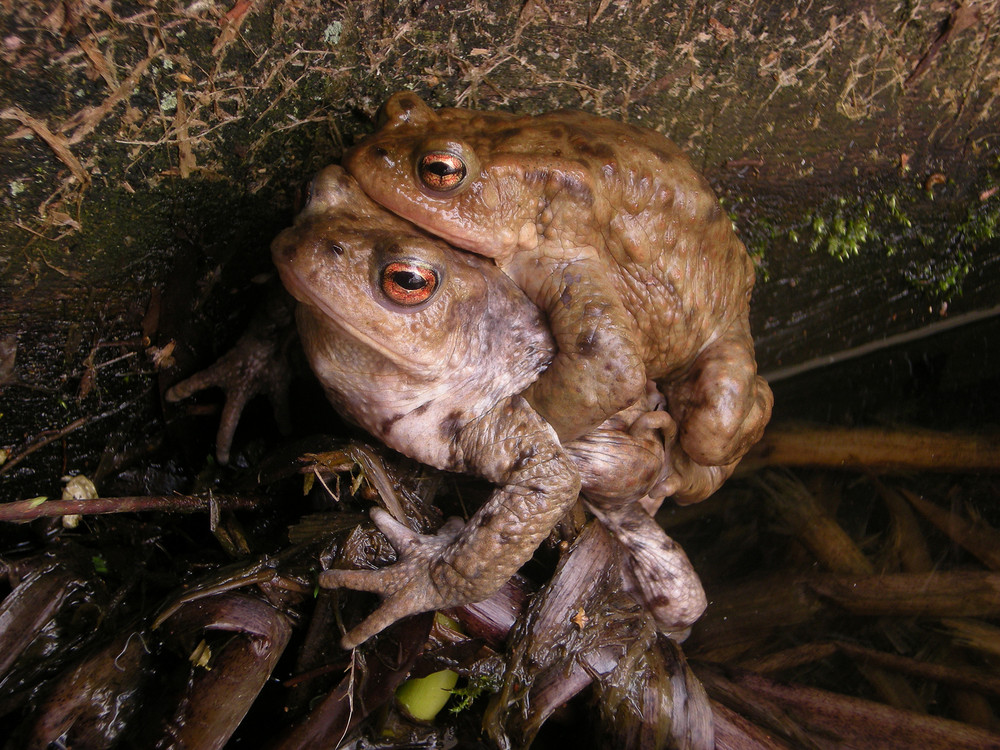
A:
29, 510
42, 442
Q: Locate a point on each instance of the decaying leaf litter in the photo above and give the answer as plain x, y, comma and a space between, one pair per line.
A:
194, 100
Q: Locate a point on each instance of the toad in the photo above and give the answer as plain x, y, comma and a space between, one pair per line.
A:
612, 232
428, 348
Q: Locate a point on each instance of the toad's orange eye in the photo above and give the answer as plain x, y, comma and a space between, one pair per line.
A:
407, 283
442, 171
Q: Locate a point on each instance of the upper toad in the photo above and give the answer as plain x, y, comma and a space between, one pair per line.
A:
610, 230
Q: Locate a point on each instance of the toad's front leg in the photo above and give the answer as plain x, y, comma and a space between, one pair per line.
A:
466, 563
422, 578
598, 369
257, 364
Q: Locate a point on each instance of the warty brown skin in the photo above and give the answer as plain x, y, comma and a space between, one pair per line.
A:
610, 230
439, 381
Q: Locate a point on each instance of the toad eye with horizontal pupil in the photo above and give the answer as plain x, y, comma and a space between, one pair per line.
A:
442, 170
408, 283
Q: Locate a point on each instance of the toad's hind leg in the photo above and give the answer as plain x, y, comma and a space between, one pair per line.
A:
722, 406
657, 571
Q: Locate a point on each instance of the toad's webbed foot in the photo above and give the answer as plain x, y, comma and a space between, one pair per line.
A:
536, 483
257, 364
421, 580
689, 482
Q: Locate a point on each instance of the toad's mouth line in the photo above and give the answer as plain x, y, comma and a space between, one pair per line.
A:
327, 315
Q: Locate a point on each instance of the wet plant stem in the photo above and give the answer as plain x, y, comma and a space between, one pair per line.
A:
29, 510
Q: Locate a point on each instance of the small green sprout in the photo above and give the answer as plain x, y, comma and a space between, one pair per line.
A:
423, 697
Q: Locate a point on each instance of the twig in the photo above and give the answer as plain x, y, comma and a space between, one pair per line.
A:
961, 19
960, 593
849, 722
918, 334
965, 678
812, 525
84, 122
29, 510
57, 435
980, 539
877, 449
187, 162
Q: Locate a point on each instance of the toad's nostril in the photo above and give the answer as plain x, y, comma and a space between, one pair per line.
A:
338, 249
284, 248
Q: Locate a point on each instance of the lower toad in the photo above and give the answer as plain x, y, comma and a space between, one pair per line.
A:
428, 349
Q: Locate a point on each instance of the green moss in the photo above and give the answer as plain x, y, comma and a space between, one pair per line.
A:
942, 276
983, 220
847, 230
476, 686
940, 245
933, 242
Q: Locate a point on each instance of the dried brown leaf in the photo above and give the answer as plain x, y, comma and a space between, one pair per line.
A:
56, 142
101, 65
86, 120
231, 23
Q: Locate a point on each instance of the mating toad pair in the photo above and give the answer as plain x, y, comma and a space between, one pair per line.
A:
594, 337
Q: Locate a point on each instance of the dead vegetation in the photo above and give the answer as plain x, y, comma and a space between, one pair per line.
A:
846, 611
